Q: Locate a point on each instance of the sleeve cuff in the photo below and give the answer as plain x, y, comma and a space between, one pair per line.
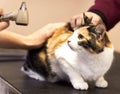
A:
100, 14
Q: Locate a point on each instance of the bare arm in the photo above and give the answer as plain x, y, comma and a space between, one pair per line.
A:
13, 40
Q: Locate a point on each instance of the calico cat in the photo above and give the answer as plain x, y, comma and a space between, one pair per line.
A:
77, 56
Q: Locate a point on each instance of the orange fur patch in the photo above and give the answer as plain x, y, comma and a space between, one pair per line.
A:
59, 37
100, 43
42, 56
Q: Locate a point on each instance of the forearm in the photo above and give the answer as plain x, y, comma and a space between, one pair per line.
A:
35, 40
12, 40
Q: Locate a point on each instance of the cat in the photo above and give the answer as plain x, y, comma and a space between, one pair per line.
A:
78, 56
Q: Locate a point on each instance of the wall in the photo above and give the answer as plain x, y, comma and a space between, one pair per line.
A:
42, 12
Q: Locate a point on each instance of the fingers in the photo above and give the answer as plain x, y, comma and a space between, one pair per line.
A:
51, 28
48, 30
78, 20
96, 20
5, 24
56, 25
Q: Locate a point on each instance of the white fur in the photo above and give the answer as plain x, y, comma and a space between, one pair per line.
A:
33, 74
78, 65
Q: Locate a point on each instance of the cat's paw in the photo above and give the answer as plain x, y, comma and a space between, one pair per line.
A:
101, 84
80, 85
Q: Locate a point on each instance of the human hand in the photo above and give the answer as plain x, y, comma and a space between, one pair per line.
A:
78, 20
3, 25
37, 38
50, 28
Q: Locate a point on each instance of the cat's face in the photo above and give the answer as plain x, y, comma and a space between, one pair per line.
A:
91, 38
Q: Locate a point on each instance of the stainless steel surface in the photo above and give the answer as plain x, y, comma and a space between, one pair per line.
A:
6, 88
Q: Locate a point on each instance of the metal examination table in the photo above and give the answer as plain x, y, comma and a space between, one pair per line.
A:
17, 82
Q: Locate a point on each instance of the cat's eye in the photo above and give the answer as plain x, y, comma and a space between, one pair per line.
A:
80, 36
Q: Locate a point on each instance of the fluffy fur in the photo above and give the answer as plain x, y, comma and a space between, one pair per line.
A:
80, 56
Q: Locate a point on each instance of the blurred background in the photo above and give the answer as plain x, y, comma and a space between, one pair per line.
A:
42, 12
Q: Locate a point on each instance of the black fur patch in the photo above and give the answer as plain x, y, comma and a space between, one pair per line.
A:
35, 63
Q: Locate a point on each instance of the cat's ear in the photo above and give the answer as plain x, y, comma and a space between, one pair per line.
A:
107, 41
87, 21
100, 29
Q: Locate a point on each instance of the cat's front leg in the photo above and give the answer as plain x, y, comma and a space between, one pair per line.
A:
74, 77
101, 82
